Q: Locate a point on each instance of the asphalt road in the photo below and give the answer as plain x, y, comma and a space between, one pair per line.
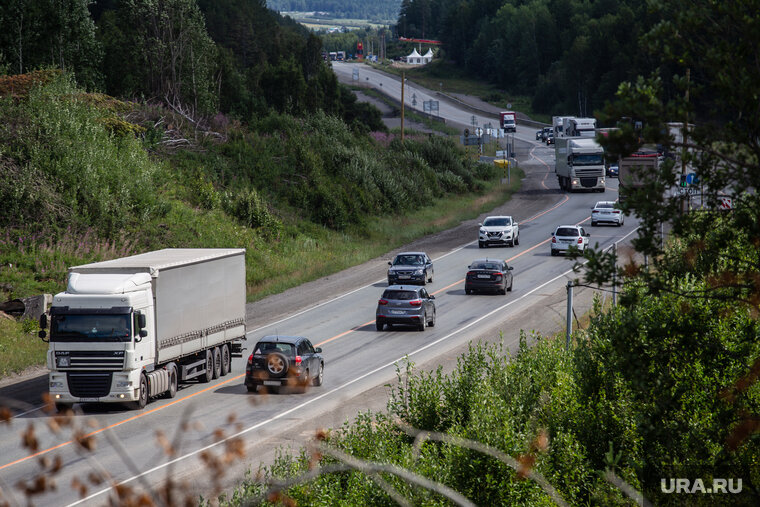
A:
337, 314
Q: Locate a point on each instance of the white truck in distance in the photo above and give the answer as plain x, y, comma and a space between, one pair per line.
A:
579, 164
579, 127
129, 329
634, 169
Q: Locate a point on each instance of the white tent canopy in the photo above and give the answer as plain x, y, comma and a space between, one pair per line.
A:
428, 57
414, 58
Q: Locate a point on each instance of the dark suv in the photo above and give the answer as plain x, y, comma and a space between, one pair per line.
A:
284, 361
405, 304
488, 275
411, 267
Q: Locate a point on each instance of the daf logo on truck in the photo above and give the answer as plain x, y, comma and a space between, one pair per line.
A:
129, 329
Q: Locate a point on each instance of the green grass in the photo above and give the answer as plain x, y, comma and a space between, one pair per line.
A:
448, 78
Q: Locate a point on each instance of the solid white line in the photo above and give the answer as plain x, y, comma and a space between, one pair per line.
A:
323, 395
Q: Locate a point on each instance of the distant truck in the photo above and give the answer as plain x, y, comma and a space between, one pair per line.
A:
508, 121
129, 329
579, 164
341, 56
579, 127
558, 126
633, 169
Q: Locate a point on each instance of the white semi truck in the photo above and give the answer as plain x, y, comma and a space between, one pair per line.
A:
579, 164
129, 329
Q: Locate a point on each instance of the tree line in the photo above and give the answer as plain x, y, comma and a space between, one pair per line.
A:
567, 55
199, 56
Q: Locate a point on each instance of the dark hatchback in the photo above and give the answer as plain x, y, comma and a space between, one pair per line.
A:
407, 305
488, 275
284, 361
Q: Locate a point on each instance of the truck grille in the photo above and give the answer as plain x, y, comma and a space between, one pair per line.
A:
589, 172
98, 360
89, 385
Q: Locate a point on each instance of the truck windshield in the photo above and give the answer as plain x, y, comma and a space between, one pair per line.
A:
94, 328
588, 159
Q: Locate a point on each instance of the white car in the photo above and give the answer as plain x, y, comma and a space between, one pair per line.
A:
498, 230
566, 236
608, 212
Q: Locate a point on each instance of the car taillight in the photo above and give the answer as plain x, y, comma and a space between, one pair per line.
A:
470, 273
383, 302
298, 359
595, 211
617, 212
580, 240
416, 302
250, 359
554, 239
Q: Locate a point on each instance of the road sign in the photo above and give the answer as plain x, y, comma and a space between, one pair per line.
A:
726, 203
692, 179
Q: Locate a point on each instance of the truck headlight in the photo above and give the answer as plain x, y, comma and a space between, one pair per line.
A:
63, 361
124, 383
56, 385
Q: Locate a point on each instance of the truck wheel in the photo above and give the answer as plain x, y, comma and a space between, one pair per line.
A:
143, 399
62, 407
209, 373
173, 383
226, 359
217, 362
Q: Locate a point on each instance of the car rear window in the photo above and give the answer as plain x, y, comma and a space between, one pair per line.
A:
408, 260
567, 231
400, 295
485, 265
269, 347
604, 205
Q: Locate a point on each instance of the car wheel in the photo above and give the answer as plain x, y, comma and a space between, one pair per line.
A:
431, 277
424, 279
431, 323
217, 362
554, 253
510, 286
173, 383
421, 325
480, 244
143, 399
209, 373
468, 291
517, 239
620, 224
252, 389
277, 364
317, 381
511, 244
593, 224
226, 359
379, 325
503, 291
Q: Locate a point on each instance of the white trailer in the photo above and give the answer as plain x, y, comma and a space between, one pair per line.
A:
579, 164
128, 329
579, 127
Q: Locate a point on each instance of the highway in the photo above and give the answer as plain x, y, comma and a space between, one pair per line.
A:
130, 447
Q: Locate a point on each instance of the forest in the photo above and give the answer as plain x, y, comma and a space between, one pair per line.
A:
569, 56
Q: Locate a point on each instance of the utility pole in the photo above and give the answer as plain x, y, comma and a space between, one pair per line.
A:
684, 207
614, 276
402, 107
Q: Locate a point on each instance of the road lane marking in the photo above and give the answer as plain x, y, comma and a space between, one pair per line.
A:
117, 424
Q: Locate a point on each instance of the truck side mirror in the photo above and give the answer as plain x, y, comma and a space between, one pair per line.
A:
143, 333
141, 323
569, 160
43, 321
